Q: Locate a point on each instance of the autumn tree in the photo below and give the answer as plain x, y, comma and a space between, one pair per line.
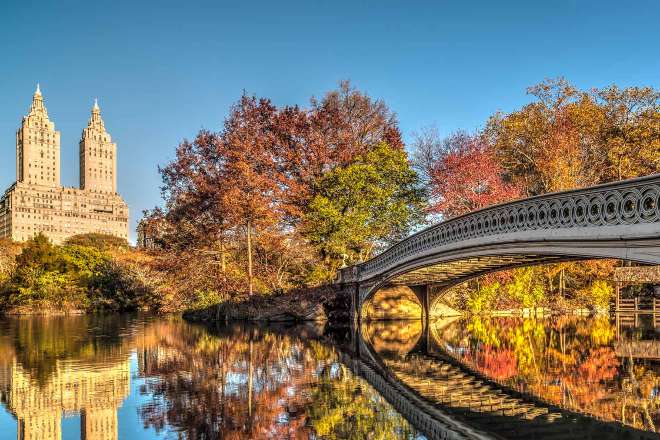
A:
246, 191
567, 138
8, 252
193, 229
351, 122
467, 177
338, 128
190, 184
631, 133
371, 202
251, 192
428, 149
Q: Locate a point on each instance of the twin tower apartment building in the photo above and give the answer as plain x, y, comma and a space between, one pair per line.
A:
38, 203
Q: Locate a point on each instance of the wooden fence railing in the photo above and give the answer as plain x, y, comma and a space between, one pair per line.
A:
637, 305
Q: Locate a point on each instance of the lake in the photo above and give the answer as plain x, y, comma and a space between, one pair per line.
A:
144, 377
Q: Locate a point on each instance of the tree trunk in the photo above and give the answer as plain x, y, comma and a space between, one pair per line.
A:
250, 380
551, 285
249, 246
223, 257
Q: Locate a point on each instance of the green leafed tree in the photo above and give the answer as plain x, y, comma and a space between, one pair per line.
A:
364, 206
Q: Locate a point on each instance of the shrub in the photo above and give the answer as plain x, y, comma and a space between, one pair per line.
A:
74, 276
598, 294
98, 241
525, 288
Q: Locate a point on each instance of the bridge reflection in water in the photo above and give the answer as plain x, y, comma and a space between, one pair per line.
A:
511, 378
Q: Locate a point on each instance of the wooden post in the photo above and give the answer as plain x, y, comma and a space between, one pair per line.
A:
618, 296
618, 326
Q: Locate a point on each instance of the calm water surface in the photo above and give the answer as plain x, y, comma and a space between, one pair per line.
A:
142, 378
134, 377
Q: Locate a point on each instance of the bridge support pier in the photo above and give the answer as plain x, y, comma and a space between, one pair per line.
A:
355, 304
423, 294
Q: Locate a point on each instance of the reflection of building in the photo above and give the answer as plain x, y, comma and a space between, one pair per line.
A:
94, 392
38, 203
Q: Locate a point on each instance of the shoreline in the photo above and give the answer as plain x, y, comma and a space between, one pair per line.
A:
313, 312
318, 304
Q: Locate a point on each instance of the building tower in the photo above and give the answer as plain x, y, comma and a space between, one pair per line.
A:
98, 156
38, 147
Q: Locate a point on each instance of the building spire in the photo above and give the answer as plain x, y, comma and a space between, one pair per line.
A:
96, 115
38, 103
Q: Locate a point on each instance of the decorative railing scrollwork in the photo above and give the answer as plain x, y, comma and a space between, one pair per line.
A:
628, 202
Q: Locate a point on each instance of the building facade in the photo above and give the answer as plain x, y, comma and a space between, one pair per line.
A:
38, 203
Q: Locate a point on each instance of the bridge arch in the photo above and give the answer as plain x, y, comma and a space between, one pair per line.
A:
398, 302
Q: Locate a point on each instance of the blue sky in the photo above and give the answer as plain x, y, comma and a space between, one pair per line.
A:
163, 70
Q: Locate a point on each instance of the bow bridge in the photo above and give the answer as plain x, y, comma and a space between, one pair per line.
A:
618, 220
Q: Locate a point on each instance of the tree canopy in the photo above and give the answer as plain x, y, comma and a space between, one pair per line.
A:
271, 178
374, 201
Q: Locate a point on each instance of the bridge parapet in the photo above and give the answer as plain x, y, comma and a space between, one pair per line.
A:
600, 212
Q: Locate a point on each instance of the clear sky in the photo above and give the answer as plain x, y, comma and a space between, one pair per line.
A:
163, 69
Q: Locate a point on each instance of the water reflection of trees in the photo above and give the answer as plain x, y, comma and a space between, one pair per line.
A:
569, 361
39, 343
247, 382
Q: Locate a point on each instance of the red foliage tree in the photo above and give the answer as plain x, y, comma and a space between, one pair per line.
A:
337, 129
468, 177
258, 175
251, 192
